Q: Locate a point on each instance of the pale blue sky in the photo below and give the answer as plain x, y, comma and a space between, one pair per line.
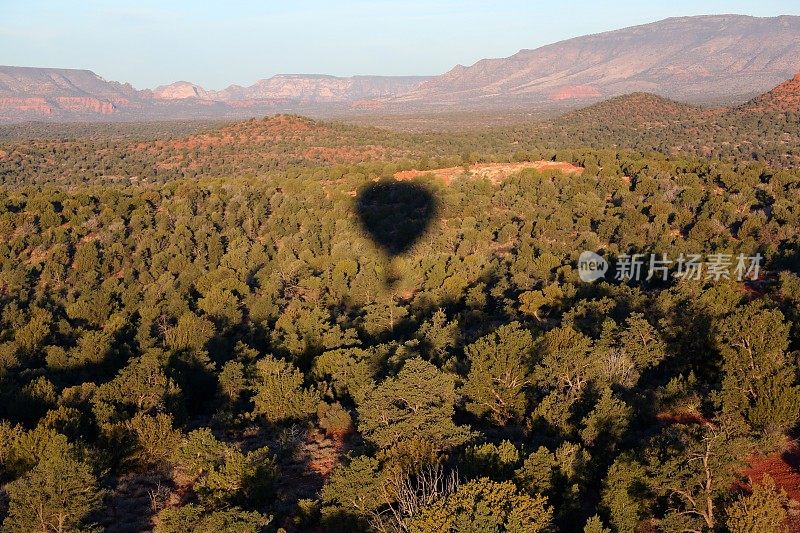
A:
150, 43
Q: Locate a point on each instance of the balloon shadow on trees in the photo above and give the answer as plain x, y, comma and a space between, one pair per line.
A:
395, 215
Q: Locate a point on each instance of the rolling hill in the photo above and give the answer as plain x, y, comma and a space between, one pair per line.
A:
639, 109
783, 98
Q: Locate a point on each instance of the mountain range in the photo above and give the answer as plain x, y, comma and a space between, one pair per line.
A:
715, 58
298, 88
695, 59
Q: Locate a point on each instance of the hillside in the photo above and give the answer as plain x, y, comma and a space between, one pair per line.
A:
783, 98
49, 92
636, 109
688, 58
251, 147
260, 144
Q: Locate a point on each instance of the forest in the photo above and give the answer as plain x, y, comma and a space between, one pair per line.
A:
255, 327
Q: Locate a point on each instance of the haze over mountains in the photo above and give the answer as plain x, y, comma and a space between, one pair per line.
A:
298, 88
695, 59
69, 93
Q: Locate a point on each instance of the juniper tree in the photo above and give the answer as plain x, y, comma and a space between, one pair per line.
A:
279, 392
764, 510
56, 496
417, 403
499, 373
484, 505
759, 384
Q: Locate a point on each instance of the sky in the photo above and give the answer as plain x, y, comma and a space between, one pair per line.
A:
215, 44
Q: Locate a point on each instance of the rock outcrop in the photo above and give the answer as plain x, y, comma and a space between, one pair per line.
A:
82, 104
180, 90
35, 106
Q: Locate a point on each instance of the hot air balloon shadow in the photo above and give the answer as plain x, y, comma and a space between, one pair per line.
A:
395, 214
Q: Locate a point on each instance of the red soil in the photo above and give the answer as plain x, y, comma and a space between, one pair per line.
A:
271, 129
784, 97
681, 416
570, 92
784, 468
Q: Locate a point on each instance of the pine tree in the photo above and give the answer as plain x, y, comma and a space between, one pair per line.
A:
280, 395
595, 525
418, 403
484, 505
764, 510
55, 497
759, 384
499, 373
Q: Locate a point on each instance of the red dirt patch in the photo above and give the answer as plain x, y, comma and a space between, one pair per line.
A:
494, 172
38, 256
570, 92
682, 416
784, 468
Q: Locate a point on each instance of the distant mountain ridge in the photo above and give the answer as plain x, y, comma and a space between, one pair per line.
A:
54, 93
299, 87
689, 58
180, 90
715, 58
54, 82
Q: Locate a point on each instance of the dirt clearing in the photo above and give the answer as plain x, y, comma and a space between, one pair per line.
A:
495, 172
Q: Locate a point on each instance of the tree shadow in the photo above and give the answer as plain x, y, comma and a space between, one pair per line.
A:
395, 215
134, 500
